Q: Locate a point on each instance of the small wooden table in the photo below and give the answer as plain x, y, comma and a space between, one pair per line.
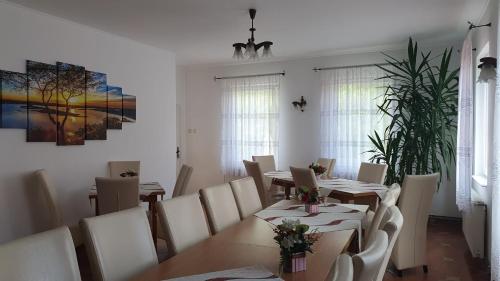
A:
341, 192
248, 243
148, 192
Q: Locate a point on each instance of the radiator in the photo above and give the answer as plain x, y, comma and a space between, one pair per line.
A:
474, 227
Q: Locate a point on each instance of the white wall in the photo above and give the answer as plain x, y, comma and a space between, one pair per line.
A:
299, 132
147, 72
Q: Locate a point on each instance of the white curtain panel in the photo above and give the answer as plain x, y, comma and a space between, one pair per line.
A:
250, 120
349, 113
494, 181
465, 131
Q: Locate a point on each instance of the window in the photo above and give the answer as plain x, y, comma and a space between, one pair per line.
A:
349, 113
481, 124
250, 120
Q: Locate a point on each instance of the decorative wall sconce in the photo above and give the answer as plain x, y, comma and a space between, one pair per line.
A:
488, 69
299, 105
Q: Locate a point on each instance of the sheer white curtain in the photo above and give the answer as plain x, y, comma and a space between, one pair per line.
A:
465, 129
250, 120
494, 180
349, 113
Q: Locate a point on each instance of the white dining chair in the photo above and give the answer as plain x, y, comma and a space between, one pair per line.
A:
48, 255
392, 223
375, 218
372, 173
183, 221
50, 199
267, 196
119, 245
118, 167
220, 206
246, 196
303, 177
116, 194
266, 163
329, 164
367, 263
343, 269
182, 181
415, 202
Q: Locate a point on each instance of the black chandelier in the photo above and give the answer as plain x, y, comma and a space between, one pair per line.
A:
251, 49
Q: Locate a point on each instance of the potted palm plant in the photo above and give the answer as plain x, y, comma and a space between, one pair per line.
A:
421, 102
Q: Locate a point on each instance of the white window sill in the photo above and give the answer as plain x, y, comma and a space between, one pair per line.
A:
478, 190
480, 180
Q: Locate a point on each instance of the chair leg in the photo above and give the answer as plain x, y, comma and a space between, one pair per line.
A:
426, 269
399, 273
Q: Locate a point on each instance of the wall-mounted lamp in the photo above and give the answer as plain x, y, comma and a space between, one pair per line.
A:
488, 69
299, 105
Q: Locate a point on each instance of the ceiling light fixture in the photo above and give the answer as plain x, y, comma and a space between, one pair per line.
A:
251, 48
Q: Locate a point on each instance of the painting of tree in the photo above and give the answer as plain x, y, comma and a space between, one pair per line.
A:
115, 107
70, 104
129, 105
14, 99
96, 106
42, 102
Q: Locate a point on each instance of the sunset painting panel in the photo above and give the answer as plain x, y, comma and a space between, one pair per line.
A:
70, 104
115, 107
42, 102
129, 108
14, 97
96, 106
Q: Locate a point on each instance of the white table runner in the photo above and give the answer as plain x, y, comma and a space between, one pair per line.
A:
245, 273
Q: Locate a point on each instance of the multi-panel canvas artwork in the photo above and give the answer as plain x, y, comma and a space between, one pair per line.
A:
96, 102
62, 103
129, 107
14, 96
115, 108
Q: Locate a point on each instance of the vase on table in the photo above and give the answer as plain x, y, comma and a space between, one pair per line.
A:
295, 263
312, 208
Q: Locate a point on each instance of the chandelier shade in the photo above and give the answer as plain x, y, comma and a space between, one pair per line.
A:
252, 48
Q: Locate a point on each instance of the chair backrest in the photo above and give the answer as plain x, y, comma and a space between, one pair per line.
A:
116, 194
343, 269
183, 221
118, 167
119, 245
367, 263
48, 255
49, 195
303, 177
415, 203
390, 199
329, 164
392, 224
220, 206
254, 171
266, 163
182, 181
246, 196
372, 173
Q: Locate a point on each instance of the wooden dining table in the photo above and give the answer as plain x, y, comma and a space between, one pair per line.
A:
247, 243
148, 192
345, 191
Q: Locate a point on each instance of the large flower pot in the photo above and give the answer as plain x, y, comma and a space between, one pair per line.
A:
295, 263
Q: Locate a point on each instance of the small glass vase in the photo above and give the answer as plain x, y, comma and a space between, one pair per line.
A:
295, 263
312, 208
318, 177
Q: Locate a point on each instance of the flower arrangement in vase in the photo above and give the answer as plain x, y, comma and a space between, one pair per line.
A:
310, 198
318, 169
128, 173
294, 244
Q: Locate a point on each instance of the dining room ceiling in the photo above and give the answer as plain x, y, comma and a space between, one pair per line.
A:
202, 31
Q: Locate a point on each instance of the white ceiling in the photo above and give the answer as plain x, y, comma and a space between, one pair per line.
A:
202, 31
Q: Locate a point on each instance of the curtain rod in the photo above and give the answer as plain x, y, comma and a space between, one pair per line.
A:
245, 76
472, 26
316, 69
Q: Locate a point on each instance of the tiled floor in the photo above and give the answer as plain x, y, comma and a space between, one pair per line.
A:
449, 258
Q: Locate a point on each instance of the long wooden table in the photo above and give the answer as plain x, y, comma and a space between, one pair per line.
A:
248, 243
148, 192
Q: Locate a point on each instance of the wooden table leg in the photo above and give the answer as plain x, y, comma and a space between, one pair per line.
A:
152, 209
96, 207
287, 192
